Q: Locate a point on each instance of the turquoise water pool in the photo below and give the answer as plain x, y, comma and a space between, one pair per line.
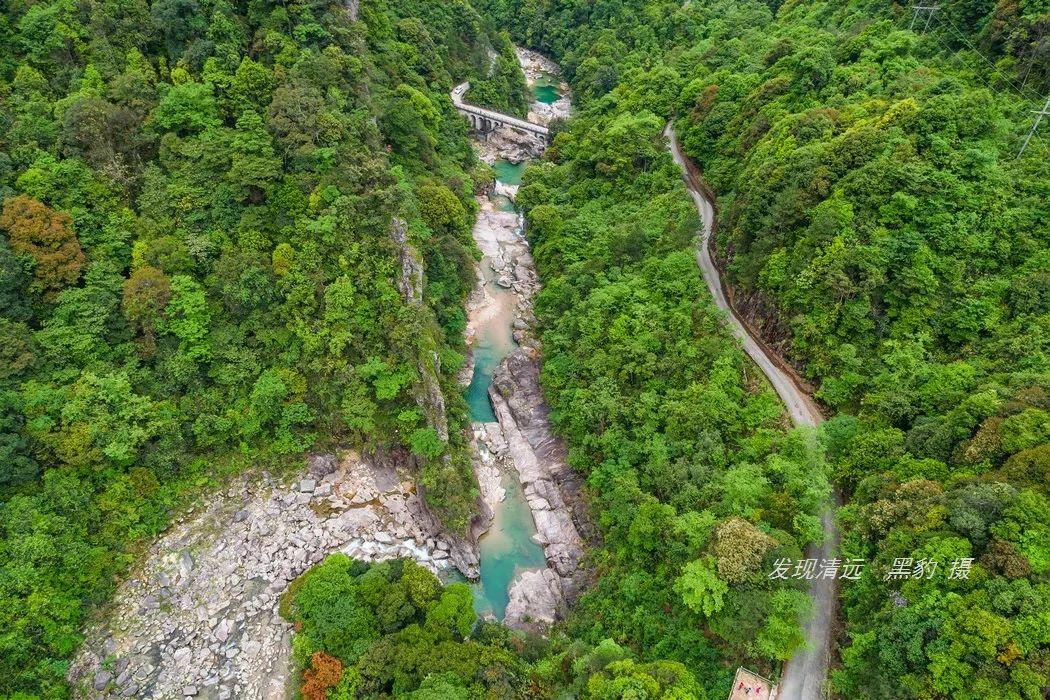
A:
508, 173
545, 89
488, 352
507, 549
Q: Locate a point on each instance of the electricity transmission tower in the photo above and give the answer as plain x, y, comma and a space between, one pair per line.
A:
1039, 114
927, 9
920, 9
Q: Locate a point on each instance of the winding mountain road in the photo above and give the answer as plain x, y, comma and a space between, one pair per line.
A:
806, 672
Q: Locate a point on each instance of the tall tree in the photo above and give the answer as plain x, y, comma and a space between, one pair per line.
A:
47, 237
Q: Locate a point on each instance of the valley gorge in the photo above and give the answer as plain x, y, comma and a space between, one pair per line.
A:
199, 617
524, 349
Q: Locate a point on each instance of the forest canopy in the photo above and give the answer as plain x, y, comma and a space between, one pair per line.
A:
205, 208
878, 226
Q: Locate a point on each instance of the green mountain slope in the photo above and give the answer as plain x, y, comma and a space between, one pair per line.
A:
198, 269
876, 223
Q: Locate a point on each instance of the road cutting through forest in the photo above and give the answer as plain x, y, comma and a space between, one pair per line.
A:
806, 672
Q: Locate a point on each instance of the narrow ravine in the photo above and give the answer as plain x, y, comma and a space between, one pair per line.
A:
507, 548
805, 674
199, 616
529, 549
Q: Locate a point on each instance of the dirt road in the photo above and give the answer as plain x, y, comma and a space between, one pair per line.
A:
805, 673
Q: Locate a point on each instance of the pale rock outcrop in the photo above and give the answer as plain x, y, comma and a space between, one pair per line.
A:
536, 601
550, 486
411, 282
490, 480
507, 144
200, 614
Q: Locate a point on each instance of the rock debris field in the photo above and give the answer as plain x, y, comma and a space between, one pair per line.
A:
200, 618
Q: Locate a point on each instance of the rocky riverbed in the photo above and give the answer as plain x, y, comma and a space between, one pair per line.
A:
536, 67
200, 618
521, 444
507, 144
552, 490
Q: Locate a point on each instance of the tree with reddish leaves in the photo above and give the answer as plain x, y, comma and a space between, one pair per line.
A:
46, 236
324, 674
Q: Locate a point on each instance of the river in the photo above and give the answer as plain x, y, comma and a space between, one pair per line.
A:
510, 545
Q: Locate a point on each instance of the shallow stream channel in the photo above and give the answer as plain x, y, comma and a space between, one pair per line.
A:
506, 282
508, 547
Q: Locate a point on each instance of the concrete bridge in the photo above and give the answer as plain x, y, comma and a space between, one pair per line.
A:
486, 120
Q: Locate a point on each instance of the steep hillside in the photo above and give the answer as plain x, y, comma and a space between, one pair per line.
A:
207, 207
876, 223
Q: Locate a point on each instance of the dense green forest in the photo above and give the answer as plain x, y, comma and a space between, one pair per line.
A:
698, 487
392, 630
207, 207
199, 271
875, 220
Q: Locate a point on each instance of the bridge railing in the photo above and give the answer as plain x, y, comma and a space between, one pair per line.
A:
457, 100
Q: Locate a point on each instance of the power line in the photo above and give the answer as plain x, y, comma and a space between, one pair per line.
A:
976, 70
1031, 64
1045, 111
919, 9
932, 10
943, 19
952, 54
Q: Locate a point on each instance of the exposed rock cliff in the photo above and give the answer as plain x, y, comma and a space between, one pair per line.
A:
411, 282
431, 400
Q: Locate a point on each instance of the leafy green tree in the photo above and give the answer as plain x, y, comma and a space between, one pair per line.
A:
187, 317
781, 636
103, 419
410, 122
739, 548
701, 588
253, 165
442, 211
187, 108
452, 613
146, 295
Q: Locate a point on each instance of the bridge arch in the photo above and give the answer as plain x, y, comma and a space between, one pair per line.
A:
486, 120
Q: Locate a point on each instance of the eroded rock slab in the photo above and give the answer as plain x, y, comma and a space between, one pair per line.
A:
537, 599
550, 486
507, 144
